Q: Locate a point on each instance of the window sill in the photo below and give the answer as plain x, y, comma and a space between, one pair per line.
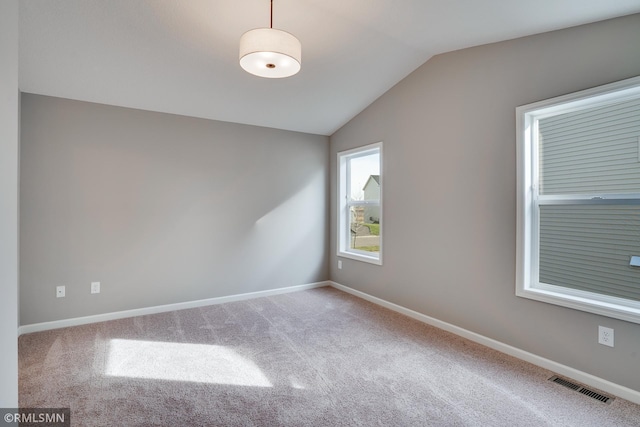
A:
361, 257
613, 307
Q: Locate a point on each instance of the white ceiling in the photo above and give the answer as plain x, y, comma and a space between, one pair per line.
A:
181, 56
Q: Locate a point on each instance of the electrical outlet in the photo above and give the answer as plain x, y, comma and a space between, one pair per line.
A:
339, 264
60, 291
605, 336
95, 287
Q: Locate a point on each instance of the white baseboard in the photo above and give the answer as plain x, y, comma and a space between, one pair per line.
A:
37, 327
558, 368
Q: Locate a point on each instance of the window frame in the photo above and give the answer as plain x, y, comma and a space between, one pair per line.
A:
528, 202
344, 204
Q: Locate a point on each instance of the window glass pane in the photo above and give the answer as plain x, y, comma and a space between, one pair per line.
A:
594, 150
588, 247
364, 235
364, 181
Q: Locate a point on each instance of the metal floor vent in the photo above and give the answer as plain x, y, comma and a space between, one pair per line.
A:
576, 387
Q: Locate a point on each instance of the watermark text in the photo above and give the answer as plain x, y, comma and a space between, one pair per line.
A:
35, 417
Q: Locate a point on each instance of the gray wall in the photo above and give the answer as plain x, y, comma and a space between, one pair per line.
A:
9, 203
450, 191
162, 209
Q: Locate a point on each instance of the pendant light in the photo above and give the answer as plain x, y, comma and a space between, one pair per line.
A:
271, 53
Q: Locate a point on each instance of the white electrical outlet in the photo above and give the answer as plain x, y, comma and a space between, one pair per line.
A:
605, 336
339, 264
60, 291
95, 287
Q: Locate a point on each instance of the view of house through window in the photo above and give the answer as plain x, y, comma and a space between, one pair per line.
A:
579, 220
365, 219
360, 207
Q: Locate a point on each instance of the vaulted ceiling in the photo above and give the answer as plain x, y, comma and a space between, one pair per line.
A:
181, 56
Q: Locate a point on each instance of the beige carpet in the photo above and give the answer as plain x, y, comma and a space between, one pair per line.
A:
313, 358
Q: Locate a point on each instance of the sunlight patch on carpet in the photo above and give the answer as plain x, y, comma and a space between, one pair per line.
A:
297, 384
171, 361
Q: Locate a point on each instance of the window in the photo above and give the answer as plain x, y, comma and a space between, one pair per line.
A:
360, 204
579, 200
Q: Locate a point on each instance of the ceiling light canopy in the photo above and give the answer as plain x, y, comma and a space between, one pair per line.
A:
271, 53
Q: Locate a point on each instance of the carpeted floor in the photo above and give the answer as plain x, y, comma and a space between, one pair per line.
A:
312, 358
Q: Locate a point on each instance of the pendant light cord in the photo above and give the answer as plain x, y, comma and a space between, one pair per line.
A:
271, 22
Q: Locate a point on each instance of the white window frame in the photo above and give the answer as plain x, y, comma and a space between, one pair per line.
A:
344, 203
528, 202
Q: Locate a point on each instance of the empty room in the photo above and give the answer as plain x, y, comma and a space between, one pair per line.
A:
320, 213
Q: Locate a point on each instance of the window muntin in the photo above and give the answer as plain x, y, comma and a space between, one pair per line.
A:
360, 203
579, 200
